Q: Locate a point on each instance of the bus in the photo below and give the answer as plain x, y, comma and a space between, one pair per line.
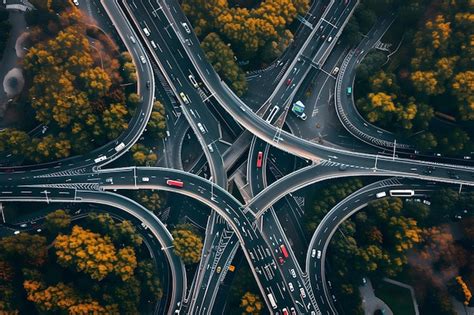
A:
402, 193
259, 159
272, 300
272, 114
283, 250
174, 183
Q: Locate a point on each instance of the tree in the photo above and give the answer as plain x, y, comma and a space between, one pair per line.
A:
121, 232
222, 59
251, 304
187, 244
426, 141
57, 221
14, 141
114, 120
149, 280
152, 200
96, 81
157, 124
461, 291
143, 155
24, 249
93, 254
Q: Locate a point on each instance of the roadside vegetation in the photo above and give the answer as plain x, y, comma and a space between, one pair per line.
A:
252, 32
5, 28
402, 239
96, 266
78, 86
244, 295
187, 243
425, 91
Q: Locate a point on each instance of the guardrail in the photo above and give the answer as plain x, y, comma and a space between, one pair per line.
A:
343, 118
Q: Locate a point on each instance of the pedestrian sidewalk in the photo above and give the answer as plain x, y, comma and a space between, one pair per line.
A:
371, 303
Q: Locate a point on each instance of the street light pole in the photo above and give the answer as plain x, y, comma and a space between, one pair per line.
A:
394, 148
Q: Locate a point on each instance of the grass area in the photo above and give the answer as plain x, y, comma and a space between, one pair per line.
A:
397, 298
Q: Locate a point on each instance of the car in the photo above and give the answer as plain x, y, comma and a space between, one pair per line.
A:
184, 97
293, 311
329, 39
153, 44
143, 59
193, 81
188, 42
467, 157
293, 273
381, 194
349, 90
259, 159
288, 82
145, 179
211, 149
290, 285
313, 253
186, 27
147, 84
218, 269
23, 225
281, 260
318, 256
132, 39
427, 202
16, 232
201, 127
364, 281
335, 71
303, 293
146, 31
76, 2
284, 311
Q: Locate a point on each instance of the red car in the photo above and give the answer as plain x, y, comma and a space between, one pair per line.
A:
259, 159
281, 260
288, 82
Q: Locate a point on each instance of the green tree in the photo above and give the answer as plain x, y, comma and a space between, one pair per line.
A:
24, 249
150, 283
57, 221
152, 200
222, 59
157, 124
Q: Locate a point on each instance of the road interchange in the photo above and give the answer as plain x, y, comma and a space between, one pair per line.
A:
353, 164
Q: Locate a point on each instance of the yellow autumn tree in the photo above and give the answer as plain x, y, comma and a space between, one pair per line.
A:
93, 254
187, 244
251, 304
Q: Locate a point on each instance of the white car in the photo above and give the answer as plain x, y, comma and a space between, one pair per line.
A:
146, 179
201, 127
186, 28
142, 58
319, 255
184, 97
76, 2
290, 285
313, 253
293, 273
335, 71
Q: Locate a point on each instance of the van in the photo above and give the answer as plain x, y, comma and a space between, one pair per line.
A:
335, 71
132, 39
146, 31
201, 127
153, 44
381, 194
